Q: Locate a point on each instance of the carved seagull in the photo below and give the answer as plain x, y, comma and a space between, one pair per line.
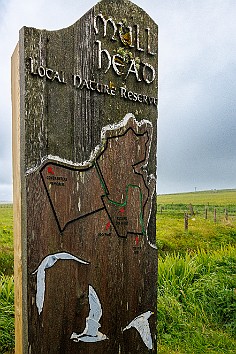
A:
142, 325
48, 262
91, 333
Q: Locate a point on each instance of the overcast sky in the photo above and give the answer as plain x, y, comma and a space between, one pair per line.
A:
197, 85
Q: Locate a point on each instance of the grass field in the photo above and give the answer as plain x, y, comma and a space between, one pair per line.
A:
6, 279
225, 197
207, 234
196, 274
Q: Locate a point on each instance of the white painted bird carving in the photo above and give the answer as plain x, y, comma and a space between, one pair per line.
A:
46, 263
91, 333
141, 324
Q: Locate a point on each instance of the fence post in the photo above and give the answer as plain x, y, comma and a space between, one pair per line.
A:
206, 210
214, 214
185, 221
191, 209
226, 214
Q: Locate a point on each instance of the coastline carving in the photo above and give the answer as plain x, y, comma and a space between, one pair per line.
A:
117, 194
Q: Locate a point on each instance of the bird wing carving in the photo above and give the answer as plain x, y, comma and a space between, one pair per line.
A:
95, 312
143, 328
46, 263
141, 324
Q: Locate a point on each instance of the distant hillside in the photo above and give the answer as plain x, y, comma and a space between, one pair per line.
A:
222, 197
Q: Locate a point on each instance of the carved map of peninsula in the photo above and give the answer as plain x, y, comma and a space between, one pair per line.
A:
114, 179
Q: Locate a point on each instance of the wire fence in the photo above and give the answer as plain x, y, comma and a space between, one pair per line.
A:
216, 213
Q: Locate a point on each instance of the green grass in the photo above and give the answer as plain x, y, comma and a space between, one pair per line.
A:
6, 240
205, 234
196, 275
202, 233
6, 280
6, 313
225, 197
197, 302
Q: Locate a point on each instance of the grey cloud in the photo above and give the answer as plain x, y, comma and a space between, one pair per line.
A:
197, 95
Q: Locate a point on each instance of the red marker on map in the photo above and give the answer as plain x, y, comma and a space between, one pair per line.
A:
50, 170
122, 210
136, 240
108, 225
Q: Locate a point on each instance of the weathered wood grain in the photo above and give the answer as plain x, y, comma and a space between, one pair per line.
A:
99, 208
20, 254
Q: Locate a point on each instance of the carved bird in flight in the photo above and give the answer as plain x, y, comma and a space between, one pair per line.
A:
46, 263
91, 333
142, 326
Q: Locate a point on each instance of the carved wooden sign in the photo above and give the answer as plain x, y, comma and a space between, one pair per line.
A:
84, 150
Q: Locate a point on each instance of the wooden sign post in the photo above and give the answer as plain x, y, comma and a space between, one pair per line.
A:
84, 149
